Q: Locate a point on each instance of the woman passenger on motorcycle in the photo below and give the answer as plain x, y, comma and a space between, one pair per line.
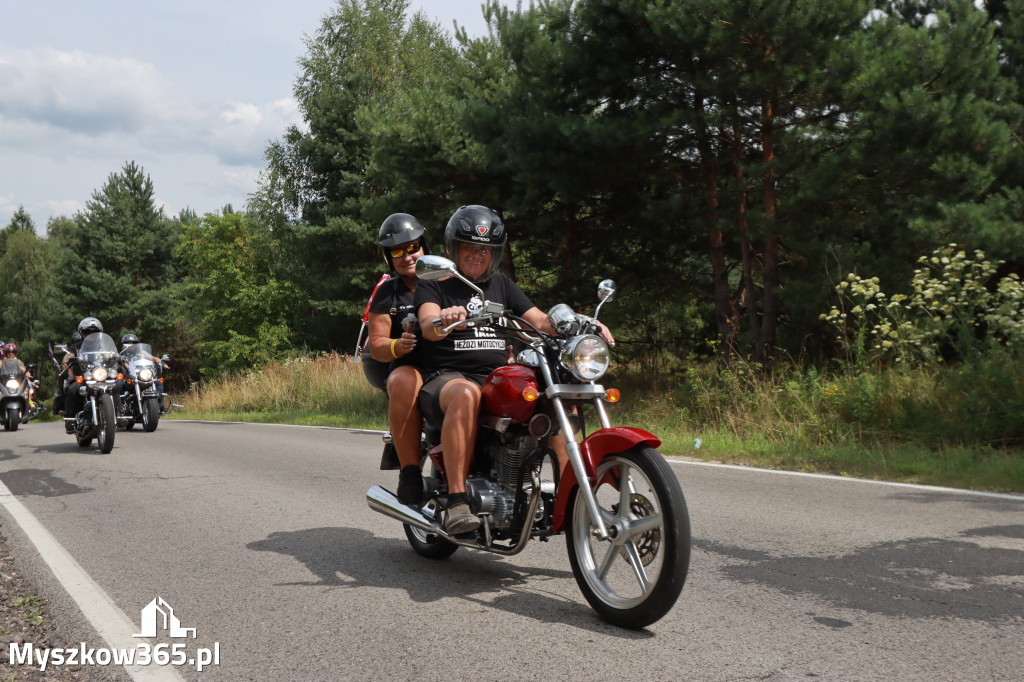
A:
402, 241
455, 365
12, 363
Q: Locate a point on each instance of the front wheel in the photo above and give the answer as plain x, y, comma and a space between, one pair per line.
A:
150, 414
108, 424
635, 577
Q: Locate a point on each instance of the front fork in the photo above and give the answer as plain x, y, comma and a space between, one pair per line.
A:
572, 449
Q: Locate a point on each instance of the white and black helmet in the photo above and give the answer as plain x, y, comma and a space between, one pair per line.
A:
89, 325
476, 225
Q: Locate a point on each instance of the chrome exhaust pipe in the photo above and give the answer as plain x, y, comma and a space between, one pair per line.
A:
386, 503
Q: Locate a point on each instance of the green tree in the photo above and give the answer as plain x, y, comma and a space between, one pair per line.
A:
26, 275
763, 137
20, 221
241, 312
359, 63
117, 264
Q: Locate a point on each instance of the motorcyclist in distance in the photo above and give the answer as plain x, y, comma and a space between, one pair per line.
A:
128, 349
11, 362
72, 400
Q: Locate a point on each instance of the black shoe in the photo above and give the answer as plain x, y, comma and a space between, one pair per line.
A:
410, 485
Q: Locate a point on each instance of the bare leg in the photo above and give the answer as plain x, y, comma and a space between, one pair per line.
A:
460, 402
557, 443
404, 385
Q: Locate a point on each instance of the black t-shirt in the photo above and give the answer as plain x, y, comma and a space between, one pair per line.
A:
396, 299
476, 350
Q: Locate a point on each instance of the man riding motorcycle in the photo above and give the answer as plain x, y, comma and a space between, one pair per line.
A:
73, 402
456, 364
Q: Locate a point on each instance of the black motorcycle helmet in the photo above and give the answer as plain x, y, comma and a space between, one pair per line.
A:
89, 325
400, 228
476, 225
129, 340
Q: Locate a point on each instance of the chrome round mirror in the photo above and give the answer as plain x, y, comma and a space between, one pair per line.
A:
564, 320
434, 267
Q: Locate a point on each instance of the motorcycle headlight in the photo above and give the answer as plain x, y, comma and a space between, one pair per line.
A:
12, 384
99, 374
587, 357
145, 374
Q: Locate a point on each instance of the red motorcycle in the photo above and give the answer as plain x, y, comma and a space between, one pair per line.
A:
618, 502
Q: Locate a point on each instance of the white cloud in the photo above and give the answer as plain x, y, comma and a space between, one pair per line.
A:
80, 92
240, 133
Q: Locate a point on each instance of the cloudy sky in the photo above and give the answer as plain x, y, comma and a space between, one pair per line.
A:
190, 90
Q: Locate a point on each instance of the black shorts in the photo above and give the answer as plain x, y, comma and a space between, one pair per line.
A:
430, 393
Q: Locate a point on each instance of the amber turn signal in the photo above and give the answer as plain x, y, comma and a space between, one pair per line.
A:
530, 394
612, 395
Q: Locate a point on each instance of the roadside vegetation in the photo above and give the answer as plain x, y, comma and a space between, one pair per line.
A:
959, 427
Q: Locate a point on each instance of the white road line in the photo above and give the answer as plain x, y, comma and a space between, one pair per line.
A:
100, 610
849, 479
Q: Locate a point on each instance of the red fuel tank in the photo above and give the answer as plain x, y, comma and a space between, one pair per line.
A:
503, 392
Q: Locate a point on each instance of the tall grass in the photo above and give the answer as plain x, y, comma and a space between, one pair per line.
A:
961, 426
322, 389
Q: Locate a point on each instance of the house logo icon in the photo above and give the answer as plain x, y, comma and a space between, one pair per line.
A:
158, 615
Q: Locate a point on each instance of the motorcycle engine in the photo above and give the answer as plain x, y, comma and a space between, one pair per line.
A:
496, 496
485, 497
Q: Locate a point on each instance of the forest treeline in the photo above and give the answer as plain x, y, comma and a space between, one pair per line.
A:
730, 163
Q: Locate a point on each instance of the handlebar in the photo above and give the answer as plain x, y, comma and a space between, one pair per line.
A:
444, 332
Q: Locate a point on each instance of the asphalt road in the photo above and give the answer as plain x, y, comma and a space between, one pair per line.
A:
259, 537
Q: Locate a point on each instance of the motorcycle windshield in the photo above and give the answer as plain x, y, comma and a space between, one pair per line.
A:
98, 349
138, 350
10, 369
139, 357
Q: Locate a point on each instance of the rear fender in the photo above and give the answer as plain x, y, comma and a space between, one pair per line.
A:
594, 448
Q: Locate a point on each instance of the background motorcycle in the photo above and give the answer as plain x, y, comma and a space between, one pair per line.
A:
141, 401
97, 373
627, 527
16, 403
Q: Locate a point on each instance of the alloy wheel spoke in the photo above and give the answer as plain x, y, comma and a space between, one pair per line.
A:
608, 560
643, 525
633, 556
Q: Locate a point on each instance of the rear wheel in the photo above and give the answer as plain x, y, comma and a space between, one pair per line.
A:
426, 544
635, 577
429, 545
108, 424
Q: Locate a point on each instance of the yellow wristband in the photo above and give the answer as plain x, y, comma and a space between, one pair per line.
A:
393, 353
